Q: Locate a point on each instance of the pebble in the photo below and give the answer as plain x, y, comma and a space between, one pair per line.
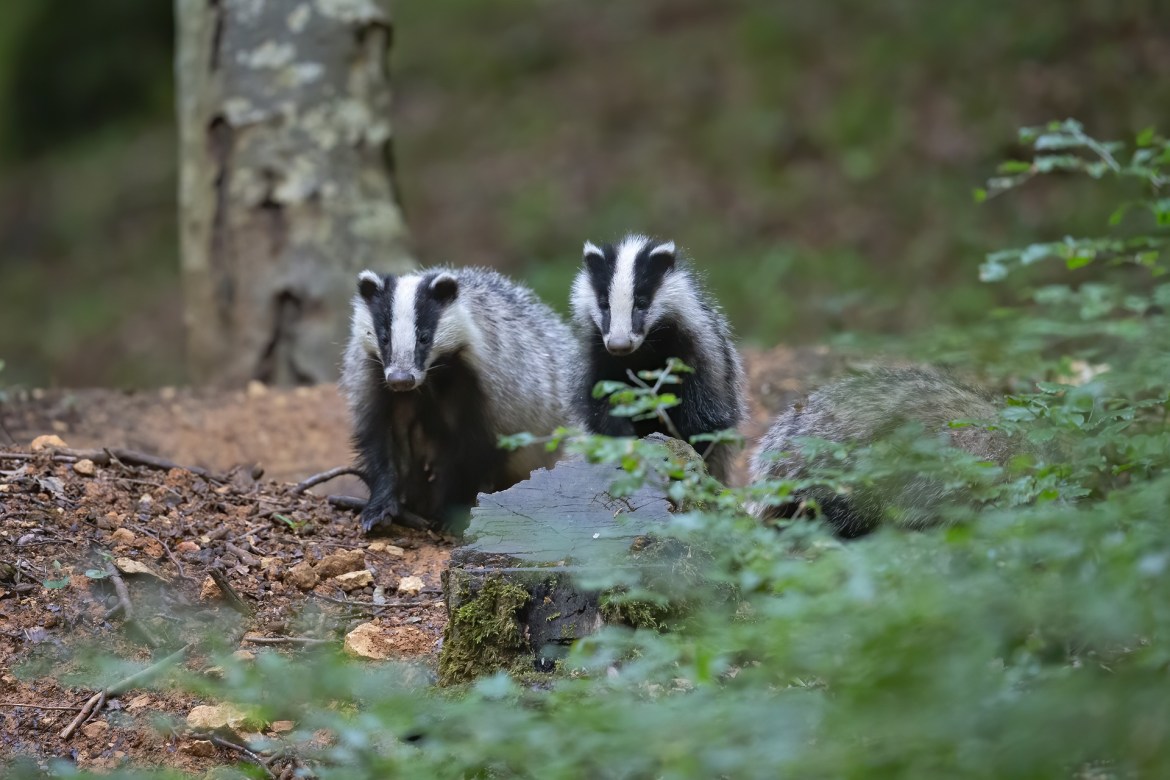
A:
48, 442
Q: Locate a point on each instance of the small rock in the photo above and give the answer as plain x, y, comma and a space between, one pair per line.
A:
340, 562
96, 730
122, 536
354, 580
48, 442
410, 586
187, 547
389, 549
85, 467
301, 576
108, 521
60, 426
200, 748
167, 393
209, 591
245, 656
131, 566
214, 717
282, 726
256, 389
368, 641
140, 702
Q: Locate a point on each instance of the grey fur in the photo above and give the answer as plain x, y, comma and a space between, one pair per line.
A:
863, 409
512, 346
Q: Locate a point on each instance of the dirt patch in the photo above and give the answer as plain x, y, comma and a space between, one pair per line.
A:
62, 533
63, 525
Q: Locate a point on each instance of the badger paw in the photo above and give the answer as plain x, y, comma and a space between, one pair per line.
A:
379, 514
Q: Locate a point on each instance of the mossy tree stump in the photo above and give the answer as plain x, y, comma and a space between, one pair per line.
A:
518, 591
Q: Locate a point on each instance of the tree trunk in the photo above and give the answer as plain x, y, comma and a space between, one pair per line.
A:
287, 181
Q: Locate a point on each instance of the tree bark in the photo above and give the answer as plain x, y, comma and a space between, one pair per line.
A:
286, 181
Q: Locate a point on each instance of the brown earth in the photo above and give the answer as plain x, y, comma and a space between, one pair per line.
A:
61, 523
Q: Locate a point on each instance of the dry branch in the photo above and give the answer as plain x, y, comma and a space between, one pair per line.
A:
229, 593
108, 455
96, 701
287, 640
324, 476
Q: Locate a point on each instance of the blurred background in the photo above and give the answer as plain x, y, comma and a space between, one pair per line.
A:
815, 159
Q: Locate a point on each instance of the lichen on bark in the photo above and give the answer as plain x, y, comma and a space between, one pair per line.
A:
287, 185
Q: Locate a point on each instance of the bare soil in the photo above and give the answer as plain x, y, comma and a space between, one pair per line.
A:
62, 524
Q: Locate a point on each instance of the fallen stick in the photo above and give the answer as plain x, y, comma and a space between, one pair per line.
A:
94, 704
38, 706
287, 640
229, 593
247, 752
123, 595
324, 476
107, 455
246, 558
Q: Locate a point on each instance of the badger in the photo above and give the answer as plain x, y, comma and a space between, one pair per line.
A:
865, 409
439, 364
636, 304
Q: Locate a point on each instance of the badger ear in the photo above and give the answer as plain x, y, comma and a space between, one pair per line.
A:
444, 288
662, 256
370, 284
594, 258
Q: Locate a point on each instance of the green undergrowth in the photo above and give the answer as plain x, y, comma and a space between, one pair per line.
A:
1027, 635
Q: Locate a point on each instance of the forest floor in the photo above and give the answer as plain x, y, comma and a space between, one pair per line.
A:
100, 552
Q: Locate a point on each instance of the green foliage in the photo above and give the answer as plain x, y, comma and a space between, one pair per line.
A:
1029, 637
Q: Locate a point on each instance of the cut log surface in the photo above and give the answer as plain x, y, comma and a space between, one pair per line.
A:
564, 516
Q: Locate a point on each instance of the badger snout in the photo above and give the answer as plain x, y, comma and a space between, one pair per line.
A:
622, 344
399, 379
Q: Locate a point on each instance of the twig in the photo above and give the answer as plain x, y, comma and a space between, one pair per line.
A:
166, 549
347, 502
247, 558
123, 595
324, 476
247, 752
107, 455
233, 599
287, 640
663, 417
38, 706
99, 699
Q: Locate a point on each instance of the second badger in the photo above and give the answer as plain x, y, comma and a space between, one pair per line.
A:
637, 304
440, 364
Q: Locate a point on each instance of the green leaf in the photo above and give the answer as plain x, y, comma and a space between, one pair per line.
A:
96, 574
979, 194
1145, 137
1078, 261
1014, 166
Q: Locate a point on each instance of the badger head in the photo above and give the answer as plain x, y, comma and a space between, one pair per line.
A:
407, 322
620, 290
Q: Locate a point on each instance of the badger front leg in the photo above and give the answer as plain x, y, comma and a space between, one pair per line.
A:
381, 473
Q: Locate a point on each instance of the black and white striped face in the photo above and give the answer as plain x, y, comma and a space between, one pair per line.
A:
406, 322
625, 289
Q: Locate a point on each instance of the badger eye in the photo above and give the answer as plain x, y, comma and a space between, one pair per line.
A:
603, 303
642, 302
